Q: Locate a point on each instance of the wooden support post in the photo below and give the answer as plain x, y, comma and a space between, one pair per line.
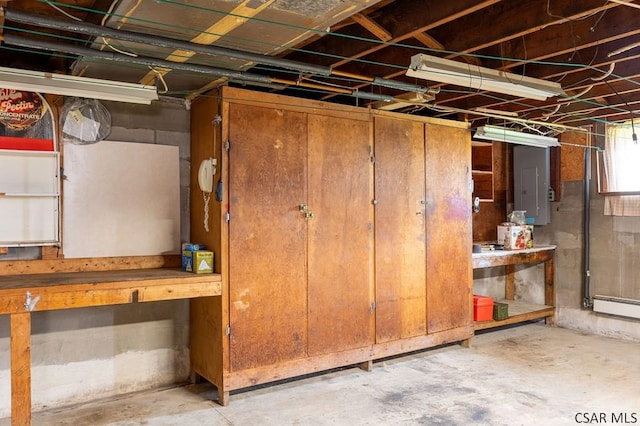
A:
366, 366
549, 288
21, 368
223, 398
510, 286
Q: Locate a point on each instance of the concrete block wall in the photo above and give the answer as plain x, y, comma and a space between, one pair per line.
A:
85, 354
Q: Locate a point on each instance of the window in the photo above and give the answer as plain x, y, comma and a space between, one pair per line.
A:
619, 171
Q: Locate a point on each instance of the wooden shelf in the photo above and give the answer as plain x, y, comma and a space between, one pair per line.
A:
482, 170
482, 185
519, 311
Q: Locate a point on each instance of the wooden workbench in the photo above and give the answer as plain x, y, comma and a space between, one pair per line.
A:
25, 293
520, 311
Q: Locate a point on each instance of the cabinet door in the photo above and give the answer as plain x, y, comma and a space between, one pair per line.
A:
449, 273
340, 234
400, 229
267, 236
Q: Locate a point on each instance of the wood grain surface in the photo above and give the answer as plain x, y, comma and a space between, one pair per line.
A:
267, 236
340, 235
449, 273
400, 229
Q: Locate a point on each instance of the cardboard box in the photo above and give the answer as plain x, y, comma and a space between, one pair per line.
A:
515, 237
187, 255
482, 308
203, 262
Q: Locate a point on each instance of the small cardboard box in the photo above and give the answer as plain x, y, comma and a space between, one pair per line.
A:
187, 255
203, 262
515, 237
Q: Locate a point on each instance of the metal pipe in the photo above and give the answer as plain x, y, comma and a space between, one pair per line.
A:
159, 41
140, 60
586, 301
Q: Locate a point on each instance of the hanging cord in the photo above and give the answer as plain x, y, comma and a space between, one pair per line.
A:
161, 78
206, 197
634, 136
75, 18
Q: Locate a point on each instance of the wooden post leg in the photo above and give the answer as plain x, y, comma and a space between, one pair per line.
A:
223, 398
21, 368
366, 366
510, 285
549, 288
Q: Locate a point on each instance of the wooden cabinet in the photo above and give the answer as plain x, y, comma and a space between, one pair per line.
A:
342, 235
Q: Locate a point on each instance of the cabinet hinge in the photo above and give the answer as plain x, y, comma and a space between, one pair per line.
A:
227, 217
227, 145
372, 307
227, 330
370, 226
371, 156
216, 120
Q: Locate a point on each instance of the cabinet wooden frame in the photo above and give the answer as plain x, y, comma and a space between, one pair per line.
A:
322, 159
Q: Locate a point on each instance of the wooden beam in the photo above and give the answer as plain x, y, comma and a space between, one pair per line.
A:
432, 43
626, 3
372, 26
17, 267
429, 41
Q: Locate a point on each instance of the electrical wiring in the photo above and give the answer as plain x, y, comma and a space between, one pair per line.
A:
161, 78
75, 18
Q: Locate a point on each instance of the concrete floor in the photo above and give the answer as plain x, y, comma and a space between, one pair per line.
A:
526, 375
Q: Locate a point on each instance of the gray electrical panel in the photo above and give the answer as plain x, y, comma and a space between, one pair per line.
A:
531, 183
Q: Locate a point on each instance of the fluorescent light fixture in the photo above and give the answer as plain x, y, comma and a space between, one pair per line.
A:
495, 112
83, 87
433, 68
501, 134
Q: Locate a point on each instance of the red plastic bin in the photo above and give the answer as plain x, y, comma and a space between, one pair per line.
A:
482, 308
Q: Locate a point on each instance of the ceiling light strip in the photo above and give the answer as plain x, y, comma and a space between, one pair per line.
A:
433, 68
67, 85
502, 134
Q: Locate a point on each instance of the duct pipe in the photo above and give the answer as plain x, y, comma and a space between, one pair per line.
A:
586, 301
140, 60
159, 41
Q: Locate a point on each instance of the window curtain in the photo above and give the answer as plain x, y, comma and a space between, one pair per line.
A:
622, 171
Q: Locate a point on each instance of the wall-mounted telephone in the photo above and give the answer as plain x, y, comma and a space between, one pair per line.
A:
205, 180
205, 174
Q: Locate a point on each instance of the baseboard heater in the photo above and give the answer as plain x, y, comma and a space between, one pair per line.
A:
629, 308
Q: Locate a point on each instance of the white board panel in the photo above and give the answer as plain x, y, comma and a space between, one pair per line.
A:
121, 199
